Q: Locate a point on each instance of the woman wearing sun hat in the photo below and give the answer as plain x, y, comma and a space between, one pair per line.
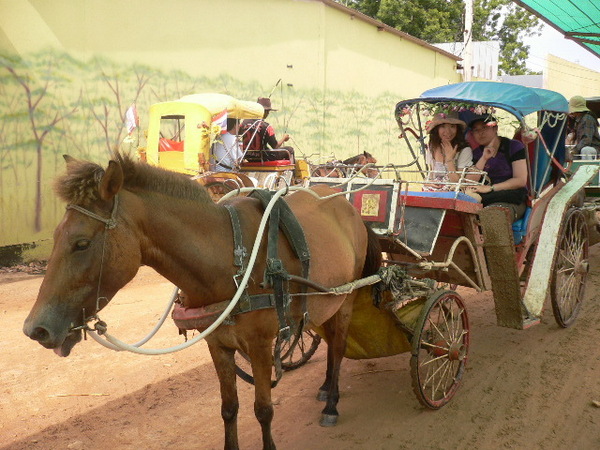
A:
587, 139
448, 153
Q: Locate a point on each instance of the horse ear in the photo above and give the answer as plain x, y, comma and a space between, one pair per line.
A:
112, 181
71, 162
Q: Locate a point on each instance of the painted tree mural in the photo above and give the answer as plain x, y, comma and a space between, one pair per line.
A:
53, 104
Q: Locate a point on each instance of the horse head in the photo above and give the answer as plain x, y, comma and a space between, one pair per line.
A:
93, 256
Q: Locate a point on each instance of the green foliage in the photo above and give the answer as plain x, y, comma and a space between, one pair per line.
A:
443, 21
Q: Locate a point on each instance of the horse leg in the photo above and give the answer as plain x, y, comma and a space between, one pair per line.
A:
224, 361
336, 330
262, 362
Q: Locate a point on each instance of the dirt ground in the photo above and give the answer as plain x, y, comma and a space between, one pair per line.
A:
533, 389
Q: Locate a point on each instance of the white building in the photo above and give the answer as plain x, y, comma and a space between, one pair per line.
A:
485, 58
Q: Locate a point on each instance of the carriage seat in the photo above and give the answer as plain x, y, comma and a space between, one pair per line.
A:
267, 158
520, 226
278, 163
445, 194
169, 145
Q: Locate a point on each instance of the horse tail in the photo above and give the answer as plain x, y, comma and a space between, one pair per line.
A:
373, 257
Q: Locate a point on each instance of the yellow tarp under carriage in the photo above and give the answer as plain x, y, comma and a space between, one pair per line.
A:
374, 333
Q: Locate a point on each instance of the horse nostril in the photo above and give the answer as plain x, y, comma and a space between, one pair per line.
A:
39, 334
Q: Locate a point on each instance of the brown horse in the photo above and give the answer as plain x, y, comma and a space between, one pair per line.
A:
131, 214
347, 167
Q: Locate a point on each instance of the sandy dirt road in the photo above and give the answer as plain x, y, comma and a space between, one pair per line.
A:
532, 389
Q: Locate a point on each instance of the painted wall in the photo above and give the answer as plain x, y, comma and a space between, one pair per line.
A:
69, 69
570, 79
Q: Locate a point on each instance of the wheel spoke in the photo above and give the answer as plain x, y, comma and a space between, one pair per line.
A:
570, 268
443, 341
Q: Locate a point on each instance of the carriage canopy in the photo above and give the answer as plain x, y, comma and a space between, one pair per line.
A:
547, 153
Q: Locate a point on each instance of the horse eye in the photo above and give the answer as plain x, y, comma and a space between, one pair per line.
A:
81, 244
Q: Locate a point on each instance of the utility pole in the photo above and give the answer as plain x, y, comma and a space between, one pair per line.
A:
468, 41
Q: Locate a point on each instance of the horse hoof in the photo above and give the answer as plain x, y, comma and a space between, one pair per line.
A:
328, 420
322, 395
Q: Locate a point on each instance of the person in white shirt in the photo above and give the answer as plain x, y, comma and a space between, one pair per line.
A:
448, 152
227, 151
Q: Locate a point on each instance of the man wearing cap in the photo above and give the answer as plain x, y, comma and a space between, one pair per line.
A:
260, 135
587, 138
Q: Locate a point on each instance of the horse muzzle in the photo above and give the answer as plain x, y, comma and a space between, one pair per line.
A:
61, 343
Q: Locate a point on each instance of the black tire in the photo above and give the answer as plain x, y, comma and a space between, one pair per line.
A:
440, 347
294, 353
299, 349
570, 268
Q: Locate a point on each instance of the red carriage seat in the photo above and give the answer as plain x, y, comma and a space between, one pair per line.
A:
168, 145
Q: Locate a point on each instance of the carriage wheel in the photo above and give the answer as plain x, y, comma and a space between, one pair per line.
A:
567, 285
218, 189
299, 349
294, 353
440, 348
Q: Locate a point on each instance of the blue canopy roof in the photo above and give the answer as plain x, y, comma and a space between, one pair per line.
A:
518, 100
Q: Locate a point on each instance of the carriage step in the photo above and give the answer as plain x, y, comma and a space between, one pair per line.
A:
500, 255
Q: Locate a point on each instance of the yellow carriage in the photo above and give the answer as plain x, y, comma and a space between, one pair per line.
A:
182, 133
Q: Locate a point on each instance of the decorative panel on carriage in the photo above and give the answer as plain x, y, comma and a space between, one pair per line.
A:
376, 200
413, 217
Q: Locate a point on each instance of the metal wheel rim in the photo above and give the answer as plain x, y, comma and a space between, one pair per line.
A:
440, 349
299, 350
570, 269
217, 189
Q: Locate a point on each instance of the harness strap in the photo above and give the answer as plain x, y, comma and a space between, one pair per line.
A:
283, 218
239, 251
289, 224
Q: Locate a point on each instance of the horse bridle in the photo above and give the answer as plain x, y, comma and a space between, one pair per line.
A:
109, 224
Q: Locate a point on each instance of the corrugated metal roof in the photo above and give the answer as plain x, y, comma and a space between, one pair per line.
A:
578, 20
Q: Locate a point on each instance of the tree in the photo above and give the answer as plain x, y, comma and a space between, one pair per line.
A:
44, 111
443, 21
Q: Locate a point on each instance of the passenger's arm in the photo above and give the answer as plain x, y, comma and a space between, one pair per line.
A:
285, 138
465, 159
518, 180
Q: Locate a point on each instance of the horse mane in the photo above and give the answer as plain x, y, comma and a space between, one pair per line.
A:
79, 185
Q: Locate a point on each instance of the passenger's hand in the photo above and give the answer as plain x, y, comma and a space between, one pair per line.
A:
286, 137
488, 152
483, 189
449, 151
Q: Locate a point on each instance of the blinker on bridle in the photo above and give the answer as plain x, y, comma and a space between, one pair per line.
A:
109, 224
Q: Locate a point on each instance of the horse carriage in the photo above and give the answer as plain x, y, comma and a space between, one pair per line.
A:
321, 267
182, 133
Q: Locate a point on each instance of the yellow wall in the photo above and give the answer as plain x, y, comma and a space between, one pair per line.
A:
341, 77
571, 79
